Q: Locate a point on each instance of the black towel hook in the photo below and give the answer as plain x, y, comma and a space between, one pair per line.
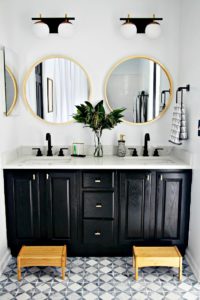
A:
187, 88
180, 89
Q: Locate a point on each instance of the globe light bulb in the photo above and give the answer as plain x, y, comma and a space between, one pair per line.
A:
128, 30
153, 30
41, 29
66, 29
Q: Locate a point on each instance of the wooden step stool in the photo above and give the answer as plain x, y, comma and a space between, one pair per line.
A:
157, 256
30, 256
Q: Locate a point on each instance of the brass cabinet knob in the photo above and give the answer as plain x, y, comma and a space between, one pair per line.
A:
97, 181
97, 233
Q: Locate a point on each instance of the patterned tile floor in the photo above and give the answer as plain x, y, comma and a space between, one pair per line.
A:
98, 278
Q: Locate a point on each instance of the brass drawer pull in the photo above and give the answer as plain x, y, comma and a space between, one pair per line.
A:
97, 181
97, 233
161, 177
99, 205
47, 176
33, 176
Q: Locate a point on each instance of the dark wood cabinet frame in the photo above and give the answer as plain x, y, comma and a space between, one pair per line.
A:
97, 212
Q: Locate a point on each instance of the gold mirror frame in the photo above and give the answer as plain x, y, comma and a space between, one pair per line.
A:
15, 91
26, 77
162, 67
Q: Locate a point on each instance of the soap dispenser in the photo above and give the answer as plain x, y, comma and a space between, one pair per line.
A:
121, 151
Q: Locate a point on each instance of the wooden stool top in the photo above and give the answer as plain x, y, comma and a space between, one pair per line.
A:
42, 251
156, 251
42, 256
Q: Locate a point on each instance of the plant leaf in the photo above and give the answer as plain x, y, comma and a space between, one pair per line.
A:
96, 118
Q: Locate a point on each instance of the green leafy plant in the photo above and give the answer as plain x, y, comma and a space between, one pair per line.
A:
96, 118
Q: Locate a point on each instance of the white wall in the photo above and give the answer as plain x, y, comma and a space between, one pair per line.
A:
97, 45
8, 138
190, 73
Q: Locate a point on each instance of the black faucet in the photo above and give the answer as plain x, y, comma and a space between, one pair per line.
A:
146, 139
49, 150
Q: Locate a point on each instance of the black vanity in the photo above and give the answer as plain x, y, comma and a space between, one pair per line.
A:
97, 212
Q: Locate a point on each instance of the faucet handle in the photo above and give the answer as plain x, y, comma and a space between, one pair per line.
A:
156, 153
61, 151
134, 151
147, 136
39, 152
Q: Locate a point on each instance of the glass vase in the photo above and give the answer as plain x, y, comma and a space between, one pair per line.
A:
98, 151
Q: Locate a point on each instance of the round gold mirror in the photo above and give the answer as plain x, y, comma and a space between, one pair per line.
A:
140, 84
10, 91
53, 86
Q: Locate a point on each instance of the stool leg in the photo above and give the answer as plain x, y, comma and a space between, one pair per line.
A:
18, 269
136, 269
180, 268
63, 273
63, 267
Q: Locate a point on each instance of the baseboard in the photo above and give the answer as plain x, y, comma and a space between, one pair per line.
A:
192, 264
4, 261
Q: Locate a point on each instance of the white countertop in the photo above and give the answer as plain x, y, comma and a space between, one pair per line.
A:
90, 162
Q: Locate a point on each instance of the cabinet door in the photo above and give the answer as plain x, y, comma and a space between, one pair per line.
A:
60, 199
172, 203
135, 206
23, 206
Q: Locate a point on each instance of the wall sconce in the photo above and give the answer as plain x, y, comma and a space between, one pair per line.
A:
45, 26
149, 26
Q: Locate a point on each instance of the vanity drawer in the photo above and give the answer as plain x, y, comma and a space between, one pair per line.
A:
98, 231
98, 179
98, 205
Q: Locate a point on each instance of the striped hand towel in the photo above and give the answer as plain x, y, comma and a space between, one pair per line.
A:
179, 128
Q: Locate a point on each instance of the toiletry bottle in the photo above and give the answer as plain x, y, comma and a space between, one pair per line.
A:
121, 151
74, 149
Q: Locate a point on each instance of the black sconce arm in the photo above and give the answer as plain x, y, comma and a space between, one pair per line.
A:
53, 23
141, 23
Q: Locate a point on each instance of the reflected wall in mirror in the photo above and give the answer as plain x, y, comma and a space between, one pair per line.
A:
53, 86
140, 84
10, 91
8, 85
2, 78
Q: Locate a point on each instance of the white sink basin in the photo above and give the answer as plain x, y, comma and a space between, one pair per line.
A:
54, 160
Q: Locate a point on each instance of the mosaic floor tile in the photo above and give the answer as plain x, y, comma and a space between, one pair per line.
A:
155, 296
6, 296
90, 296
106, 296
123, 296
105, 277
102, 278
90, 287
140, 296
23, 296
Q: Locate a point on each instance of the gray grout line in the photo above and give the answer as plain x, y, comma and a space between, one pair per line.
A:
68, 274
98, 276
83, 278
113, 279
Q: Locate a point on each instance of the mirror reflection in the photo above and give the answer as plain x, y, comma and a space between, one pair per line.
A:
141, 85
10, 91
8, 85
54, 86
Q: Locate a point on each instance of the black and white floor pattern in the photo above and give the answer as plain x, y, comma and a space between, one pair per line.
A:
98, 278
